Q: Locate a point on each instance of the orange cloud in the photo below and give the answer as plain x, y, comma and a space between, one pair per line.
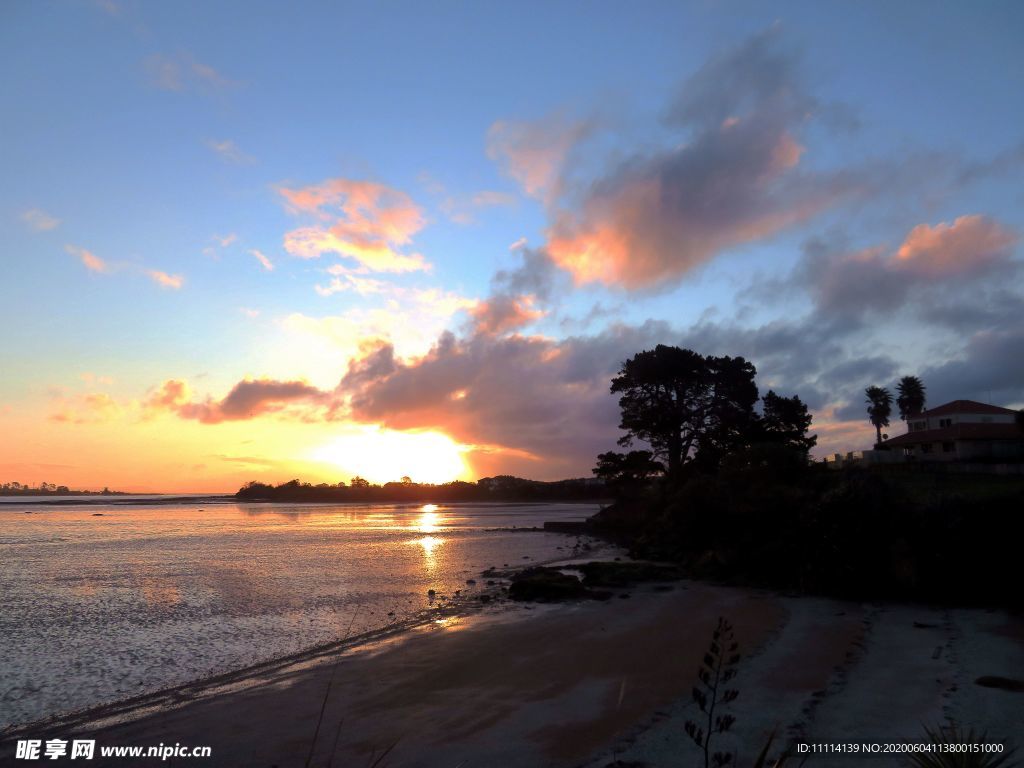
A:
362, 220
165, 280
930, 257
660, 217
502, 314
968, 244
90, 408
171, 394
91, 261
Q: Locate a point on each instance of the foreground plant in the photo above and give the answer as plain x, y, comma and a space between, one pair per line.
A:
716, 671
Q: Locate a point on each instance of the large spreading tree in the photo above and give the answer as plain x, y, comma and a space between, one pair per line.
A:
685, 406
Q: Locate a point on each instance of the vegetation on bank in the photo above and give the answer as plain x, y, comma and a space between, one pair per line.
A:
729, 493
50, 489
500, 488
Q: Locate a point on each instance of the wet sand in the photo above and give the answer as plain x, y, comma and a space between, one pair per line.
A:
583, 684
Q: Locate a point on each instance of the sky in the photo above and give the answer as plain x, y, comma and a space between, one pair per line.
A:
257, 241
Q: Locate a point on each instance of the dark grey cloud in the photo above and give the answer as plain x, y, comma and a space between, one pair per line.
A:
246, 400
990, 368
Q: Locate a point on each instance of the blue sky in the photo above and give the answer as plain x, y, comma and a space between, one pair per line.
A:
864, 148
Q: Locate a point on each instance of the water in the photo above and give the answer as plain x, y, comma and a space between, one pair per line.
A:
97, 608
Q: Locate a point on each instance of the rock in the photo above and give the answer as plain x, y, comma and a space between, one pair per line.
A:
431, 592
542, 583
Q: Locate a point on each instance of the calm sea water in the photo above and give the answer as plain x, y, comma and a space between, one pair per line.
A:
97, 608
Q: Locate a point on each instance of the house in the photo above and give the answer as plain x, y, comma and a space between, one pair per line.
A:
961, 430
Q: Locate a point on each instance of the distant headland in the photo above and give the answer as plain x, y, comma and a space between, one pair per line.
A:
51, 489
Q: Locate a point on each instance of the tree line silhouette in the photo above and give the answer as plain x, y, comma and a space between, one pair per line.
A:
499, 488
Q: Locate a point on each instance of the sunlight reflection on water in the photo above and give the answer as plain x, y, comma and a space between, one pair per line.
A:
98, 608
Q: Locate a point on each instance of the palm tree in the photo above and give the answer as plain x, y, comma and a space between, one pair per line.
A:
911, 397
879, 408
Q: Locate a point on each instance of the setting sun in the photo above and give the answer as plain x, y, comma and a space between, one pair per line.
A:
381, 455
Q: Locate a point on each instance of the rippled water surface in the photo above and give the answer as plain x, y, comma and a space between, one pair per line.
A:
99, 607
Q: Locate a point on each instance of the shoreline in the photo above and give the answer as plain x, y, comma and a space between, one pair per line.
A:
583, 683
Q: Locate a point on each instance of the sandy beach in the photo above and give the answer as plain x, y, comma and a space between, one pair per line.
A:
586, 683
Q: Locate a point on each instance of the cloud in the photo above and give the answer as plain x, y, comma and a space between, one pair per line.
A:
179, 72
968, 246
535, 153
171, 394
165, 280
40, 220
990, 368
361, 220
246, 400
229, 151
519, 396
733, 177
267, 264
463, 210
91, 261
931, 260
502, 314
91, 408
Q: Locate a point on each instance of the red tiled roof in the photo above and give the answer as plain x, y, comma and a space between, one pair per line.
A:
964, 406
959, 432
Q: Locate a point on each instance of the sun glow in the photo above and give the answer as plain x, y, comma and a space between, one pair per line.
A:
381, 455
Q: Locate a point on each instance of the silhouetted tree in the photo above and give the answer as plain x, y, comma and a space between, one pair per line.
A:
359, 482
627, 471
910, 397
682, 404
879, 402
785, 420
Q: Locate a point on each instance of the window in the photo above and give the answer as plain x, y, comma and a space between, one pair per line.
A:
948, 447
926, 448
917, 426
945, 423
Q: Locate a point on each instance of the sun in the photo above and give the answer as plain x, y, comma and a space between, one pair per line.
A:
382, 455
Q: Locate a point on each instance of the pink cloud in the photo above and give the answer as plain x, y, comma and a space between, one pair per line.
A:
267, 264
967, 245
91, 261
362, 220
39, 220
165, 280
534, 153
